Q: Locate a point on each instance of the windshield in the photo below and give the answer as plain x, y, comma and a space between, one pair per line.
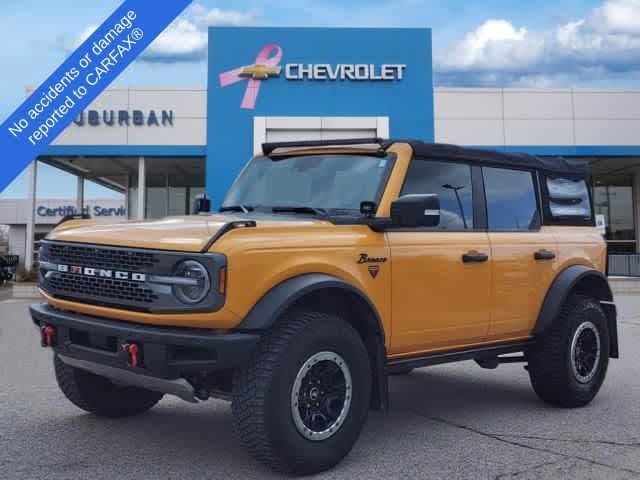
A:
328, 182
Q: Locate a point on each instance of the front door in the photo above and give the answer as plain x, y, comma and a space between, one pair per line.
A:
441, 276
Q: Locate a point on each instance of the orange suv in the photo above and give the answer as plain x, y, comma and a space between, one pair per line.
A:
330, 266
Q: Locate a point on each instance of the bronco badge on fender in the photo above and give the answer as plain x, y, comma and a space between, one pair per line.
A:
365, 258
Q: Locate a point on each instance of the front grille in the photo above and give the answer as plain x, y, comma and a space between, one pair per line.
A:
121, 277
113, 291
99, 257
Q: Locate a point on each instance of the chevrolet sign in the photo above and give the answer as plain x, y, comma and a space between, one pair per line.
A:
343, 72
325, 71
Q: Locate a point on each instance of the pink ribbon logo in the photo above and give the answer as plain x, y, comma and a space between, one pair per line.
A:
267, 65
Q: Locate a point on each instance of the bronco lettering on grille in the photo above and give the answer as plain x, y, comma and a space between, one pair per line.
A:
102, 273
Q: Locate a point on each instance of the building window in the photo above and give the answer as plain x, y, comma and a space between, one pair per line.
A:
511, 200
452, 183
157, 196
170, 186
614, 200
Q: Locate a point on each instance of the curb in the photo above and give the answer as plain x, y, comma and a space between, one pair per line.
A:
625, 285
29, 290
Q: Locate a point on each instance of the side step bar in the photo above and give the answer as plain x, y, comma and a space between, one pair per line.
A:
479, 354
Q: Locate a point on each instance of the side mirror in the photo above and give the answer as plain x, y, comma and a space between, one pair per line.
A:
416, 211
202, 204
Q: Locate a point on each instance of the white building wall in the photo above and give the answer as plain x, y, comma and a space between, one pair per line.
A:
18, 236
469, 116
189, 121
17, 241
281, 129
466, 116
607, 117
537, 117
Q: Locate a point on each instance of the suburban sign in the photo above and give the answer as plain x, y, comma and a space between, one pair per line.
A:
138, 118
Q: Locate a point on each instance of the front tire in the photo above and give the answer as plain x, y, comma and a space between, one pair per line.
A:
301, 402
568, 365
98, 395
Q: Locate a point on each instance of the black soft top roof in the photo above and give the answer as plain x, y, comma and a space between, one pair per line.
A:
558, 165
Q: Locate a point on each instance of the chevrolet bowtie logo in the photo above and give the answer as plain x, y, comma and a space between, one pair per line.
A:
260, 72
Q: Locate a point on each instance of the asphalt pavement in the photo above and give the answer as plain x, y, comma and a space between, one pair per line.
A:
5, 292
446, 422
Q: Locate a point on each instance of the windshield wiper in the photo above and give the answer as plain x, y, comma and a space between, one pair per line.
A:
315, 211
237, 208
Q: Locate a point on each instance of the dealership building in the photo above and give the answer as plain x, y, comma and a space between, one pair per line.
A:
48, 212
160, 147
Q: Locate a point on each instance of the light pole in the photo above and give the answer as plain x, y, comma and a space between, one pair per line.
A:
455, 191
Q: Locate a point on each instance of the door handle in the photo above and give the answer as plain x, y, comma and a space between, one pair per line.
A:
544, 255
475, 257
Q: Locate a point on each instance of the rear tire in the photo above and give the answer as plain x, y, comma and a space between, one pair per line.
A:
568, 365
274, 395
98, 395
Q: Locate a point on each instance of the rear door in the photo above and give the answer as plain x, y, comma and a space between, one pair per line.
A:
524, 254
441, 276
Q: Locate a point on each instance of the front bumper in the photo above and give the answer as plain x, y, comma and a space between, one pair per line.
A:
163, 353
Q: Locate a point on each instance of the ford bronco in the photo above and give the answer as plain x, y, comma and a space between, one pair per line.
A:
330, 266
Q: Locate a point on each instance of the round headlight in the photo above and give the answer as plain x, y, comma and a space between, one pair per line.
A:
197, 282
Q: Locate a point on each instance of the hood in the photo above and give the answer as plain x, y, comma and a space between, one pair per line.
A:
187, 234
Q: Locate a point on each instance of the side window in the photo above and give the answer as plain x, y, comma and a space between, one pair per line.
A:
511, 200
452, 182
568, 199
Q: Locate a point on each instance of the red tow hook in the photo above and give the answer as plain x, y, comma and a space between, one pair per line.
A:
133, 351
48, 336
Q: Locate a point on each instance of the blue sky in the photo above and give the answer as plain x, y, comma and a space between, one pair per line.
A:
568, 43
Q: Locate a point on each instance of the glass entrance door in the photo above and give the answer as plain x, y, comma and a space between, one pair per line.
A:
171, 186
614, 200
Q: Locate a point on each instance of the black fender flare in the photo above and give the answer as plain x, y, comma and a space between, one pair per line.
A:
276, 301
566, 282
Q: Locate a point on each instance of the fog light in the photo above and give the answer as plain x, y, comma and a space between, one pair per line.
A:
196, 283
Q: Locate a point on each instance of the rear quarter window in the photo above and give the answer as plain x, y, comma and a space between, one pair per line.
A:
567, 201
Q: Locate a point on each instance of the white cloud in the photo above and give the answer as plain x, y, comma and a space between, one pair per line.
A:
182, 40
185, 40
495, 44
618, 16
497, 53
205, 18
